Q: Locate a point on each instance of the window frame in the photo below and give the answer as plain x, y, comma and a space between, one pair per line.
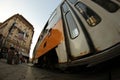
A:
74, 1
72, 36
105, 6
94, 17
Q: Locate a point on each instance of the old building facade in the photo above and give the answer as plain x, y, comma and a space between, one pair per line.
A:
17, 32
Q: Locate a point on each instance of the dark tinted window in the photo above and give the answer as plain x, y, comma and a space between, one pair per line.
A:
118, 0
89, 15
72, 25
73, 1
107, 4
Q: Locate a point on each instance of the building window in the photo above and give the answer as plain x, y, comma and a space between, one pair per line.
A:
89, 15
108, 5
21, 35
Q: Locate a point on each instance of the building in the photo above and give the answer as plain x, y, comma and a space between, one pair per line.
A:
17, 32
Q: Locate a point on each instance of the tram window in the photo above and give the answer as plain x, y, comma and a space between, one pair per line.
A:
52, 16
89, 15
52, 20
65, 8
73, 1
72, 25
107, 4
118, 0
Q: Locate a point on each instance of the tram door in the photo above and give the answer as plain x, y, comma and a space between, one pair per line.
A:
76, 43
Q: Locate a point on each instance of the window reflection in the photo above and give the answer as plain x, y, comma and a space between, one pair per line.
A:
72, 25
108, 5
89, 15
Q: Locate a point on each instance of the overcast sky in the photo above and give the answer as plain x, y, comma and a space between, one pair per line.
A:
36, 12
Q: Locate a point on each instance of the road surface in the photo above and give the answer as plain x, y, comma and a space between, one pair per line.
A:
26, 72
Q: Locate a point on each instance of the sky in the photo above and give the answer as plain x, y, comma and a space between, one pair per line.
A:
36, 12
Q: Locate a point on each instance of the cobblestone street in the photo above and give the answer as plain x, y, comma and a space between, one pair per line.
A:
26, 72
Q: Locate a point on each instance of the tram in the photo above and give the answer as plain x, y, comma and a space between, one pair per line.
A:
80, 32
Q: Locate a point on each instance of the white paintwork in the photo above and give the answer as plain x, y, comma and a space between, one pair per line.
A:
61, 53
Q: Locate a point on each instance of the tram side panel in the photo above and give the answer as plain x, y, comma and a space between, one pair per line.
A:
79, 37
50, 41
102, 27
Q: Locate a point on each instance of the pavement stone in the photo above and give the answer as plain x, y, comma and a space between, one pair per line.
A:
28, 72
